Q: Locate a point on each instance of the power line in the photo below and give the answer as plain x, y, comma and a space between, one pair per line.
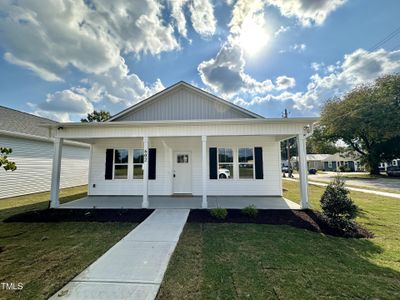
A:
386, 39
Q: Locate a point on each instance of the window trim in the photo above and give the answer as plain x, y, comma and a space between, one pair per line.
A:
136, 164
235, 164
227, 163
253, 164
120, 164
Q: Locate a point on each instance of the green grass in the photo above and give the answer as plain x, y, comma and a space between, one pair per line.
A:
251, 261
45, 256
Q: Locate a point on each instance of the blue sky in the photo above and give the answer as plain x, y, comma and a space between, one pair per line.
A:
62, 59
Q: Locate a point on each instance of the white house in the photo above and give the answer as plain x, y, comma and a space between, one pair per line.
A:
32, 147
331, 162
184, 141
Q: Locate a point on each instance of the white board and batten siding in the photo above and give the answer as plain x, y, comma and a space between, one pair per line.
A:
33, 158
183, 104
163, 184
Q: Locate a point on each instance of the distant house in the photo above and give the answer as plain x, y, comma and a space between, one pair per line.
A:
331, 162
384, 165
33, 153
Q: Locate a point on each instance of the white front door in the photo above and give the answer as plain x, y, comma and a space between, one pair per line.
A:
182, 172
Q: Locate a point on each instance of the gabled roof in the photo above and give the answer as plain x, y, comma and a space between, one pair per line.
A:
15, 121
140, 105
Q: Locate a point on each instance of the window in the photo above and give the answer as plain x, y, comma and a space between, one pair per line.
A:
225, 163
120, 164
182, 159
138, 159
246, 163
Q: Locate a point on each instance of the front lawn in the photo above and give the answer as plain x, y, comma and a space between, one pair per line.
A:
251, 261
45, 256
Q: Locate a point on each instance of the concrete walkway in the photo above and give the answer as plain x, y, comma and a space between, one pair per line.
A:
385, 194
135, 266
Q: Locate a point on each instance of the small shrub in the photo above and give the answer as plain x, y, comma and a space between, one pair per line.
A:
219, 213
342, 168
337, 207
250, 211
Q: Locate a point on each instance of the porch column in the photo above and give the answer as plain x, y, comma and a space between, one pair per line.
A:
301, 148
55, 173
204, 203
145, 202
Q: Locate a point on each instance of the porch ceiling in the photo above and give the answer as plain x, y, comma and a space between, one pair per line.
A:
135, 202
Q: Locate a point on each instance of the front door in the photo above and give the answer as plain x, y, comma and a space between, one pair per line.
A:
182, 173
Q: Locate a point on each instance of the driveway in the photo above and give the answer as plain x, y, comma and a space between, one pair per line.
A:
135, 266
390, 184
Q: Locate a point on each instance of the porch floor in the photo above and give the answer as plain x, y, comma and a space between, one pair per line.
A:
135, 202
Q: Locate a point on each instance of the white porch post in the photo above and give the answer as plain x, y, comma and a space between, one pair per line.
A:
204, 203
145, 202
301, 146
55, 173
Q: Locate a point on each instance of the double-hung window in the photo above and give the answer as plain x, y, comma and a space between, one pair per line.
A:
225, 163
120, 164
246, 163
138, 159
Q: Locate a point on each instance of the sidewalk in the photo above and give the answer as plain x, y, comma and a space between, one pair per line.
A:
385, 194
135, 266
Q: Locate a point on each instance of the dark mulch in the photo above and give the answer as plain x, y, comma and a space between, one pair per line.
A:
305, 219
82, 215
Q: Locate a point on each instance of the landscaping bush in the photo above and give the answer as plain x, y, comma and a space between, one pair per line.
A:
337, 207
250, 211
342, 168
219, 213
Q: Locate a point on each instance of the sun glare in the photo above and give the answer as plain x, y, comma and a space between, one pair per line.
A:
253, 37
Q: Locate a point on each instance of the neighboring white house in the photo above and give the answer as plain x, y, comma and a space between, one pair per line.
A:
185, 141
384, 165
331, 162
33, 154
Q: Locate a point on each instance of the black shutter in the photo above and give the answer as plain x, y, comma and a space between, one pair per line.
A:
259, 162
109, 164
213, 163
152, 163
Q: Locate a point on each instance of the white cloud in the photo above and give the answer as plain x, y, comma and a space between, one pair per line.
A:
284, 82
202, 16
317, 66
308, 12
177, 7
358, 67
69, 101
281, 30
42, 73
225, 73
51, 36
295, 48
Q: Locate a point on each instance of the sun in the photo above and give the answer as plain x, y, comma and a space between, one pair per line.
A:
253, 36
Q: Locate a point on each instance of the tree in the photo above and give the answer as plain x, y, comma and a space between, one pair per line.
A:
97, 116
337, 207
4, 162
318, 143
368, 120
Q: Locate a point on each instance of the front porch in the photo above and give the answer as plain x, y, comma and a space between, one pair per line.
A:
135, 202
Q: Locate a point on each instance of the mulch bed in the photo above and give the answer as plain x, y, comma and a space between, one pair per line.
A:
82, 215
305, 219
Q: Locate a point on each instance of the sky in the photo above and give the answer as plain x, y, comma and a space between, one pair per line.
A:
62, 59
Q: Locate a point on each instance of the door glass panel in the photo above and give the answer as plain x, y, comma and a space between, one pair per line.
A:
182, 158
